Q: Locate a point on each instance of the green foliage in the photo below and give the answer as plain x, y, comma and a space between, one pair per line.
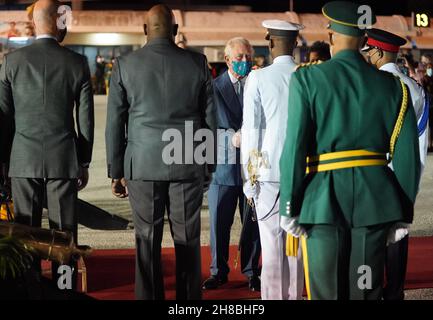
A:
15, 258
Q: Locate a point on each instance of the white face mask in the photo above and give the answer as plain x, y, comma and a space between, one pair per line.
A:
429, 72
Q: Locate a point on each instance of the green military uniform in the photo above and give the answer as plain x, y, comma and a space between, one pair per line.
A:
345, 104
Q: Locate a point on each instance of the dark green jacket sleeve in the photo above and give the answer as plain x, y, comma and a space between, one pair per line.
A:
85, 117
6, 114
293, 157
117, 117
406, 161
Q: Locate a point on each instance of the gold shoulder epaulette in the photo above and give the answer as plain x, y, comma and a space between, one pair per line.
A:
307, 64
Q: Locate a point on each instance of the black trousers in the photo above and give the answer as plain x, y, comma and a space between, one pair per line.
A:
223, 201
182, 200
60, 195
395, 269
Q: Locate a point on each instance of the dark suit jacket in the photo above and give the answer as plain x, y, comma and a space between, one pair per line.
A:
154, 89
39, 87
229, 110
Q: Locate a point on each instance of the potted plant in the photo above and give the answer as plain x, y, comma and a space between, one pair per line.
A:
15, 261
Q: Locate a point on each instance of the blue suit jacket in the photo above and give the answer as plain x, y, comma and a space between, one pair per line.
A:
229, 116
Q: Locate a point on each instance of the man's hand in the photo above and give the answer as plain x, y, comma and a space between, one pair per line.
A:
119, 188
397, 232
250, 191
291, 226
236, 139
5, 181
83, 179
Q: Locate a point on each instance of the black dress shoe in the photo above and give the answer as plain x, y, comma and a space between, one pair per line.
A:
254, 283
214, 282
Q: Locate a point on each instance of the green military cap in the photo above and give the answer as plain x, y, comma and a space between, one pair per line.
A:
344, 17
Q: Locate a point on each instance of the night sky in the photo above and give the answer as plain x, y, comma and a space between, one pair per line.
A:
380, 7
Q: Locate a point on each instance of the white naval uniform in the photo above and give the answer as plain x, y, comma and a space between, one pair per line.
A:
266, 97
418, 98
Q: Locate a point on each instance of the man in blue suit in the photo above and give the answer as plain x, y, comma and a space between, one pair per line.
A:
225, 192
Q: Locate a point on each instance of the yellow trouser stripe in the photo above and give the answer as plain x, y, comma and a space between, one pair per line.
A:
292, 245
343, 154
306, 271
346, 164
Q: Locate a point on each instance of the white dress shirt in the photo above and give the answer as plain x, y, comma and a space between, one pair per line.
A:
235, 81
46, 36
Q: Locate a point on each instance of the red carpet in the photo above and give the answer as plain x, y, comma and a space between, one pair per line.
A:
420, 265
111, 273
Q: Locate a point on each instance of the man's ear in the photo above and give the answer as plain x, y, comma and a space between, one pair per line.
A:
271, 43
381, 54
363, 41
175, 29
61, 34
227, 60
145, 29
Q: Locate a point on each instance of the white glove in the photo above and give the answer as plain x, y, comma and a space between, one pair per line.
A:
291, 226
397, 232
250, 190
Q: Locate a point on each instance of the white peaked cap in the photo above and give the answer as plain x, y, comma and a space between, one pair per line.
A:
282, 25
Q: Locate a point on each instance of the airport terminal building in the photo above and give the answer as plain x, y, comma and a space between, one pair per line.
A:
113, 33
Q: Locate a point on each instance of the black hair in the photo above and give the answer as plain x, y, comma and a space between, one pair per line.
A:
322, 48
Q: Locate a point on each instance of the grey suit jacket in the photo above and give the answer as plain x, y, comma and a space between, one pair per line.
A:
154, 89
39, 87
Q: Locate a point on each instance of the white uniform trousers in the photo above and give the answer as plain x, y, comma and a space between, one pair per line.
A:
282, 277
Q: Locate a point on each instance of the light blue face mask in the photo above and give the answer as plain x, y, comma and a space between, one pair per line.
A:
242, 68
429, 72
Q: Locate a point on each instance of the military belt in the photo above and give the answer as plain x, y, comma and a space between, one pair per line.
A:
345, 159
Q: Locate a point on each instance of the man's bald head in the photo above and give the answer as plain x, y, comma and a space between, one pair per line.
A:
283, 45
45, 16
340, 42
160, 22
